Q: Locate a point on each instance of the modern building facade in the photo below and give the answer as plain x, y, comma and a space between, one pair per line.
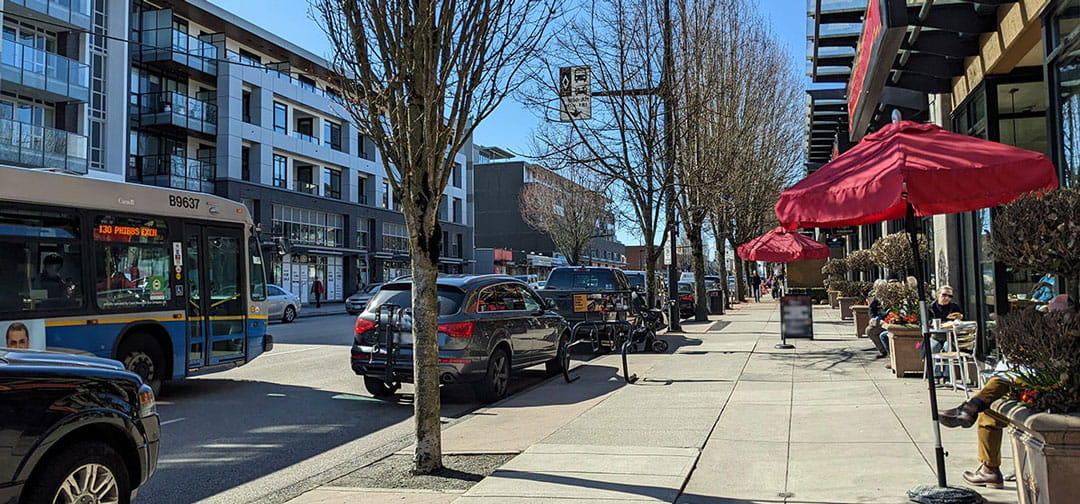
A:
56, 85
219, 105
1003, 71
499, 223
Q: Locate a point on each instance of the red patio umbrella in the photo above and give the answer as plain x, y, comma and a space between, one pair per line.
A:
906, 170
782, 246
941, 172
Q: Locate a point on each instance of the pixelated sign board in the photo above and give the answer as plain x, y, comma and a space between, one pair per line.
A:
575, 93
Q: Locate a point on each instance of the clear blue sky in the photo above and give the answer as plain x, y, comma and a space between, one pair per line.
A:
511, 125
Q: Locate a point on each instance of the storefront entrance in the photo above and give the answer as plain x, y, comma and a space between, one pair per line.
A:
296, 272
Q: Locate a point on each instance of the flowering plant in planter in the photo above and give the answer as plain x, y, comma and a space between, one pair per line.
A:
1042, 233
900, 302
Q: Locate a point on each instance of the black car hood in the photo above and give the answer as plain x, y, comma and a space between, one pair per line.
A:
54, 359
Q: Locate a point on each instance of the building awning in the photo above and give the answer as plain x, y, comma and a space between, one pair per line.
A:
311, 249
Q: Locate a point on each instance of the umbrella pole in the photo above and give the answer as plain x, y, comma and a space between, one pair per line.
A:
942, 493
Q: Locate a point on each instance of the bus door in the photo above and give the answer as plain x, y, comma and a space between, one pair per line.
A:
214, 262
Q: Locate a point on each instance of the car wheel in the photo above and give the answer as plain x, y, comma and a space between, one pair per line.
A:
379, 388
289, 315
142, 355
561, 360
495, 384
88, 471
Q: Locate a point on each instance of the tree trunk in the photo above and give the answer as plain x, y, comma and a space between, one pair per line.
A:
424, 249
740, 279
650, 274
721, 254
697, 250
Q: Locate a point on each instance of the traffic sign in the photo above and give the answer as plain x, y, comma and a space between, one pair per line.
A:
575, 93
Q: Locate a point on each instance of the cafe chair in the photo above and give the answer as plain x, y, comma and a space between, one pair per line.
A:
963, 340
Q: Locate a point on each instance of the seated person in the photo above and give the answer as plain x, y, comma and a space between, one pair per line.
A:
877, 315
943, 308
50, 279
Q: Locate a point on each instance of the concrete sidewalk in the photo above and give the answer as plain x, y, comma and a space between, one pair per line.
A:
723, 418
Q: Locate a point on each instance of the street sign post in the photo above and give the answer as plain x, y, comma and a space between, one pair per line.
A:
575, 93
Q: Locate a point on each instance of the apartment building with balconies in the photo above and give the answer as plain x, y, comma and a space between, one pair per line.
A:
55, 92
220, 105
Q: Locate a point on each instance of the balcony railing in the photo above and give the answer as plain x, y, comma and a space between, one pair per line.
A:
178, 109
178, 172
41, 146
167, 44
76, 12
306, 187
243, 60
38, 69
305, 137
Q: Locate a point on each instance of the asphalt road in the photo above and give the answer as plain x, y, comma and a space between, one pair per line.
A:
291, 419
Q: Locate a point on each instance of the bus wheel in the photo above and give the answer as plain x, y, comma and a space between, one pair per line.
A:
142, 355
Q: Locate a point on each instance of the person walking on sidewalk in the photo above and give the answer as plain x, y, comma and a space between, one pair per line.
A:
755, 286
318, 290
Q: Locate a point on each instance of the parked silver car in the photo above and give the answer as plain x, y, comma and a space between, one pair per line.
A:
281, 304
356, 302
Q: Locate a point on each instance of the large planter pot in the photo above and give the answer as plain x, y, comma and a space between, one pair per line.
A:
1046, 450
834, 302
862, 319
845, 307
903, 355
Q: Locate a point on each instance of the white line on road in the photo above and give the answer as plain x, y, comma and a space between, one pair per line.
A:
272, 353
167, 422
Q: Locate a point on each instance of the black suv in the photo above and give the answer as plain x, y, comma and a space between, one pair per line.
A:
73, 429
489, 325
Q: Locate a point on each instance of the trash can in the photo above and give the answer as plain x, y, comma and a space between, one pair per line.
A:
716, 302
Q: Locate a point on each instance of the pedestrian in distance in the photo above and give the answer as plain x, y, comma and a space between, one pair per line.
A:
755, 286
318, 290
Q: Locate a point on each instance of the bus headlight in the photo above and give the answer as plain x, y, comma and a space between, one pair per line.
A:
147, 404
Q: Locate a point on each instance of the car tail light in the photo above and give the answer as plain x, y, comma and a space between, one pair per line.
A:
458, 329
364, 325
688, 297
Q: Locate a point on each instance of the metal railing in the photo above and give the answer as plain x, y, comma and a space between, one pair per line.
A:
76, 12
178, 172
305, 137
306, 187
36, 68
41, 146
172, 107
236, 57
169, 44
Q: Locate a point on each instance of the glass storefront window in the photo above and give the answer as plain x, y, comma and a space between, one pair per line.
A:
1067, 73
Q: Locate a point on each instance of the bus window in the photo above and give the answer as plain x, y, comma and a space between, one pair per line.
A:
41, 266
131, 259
258, 270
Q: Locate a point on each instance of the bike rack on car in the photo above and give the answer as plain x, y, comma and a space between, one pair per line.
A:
389, 323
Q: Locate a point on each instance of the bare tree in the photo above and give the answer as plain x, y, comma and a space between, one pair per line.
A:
570, 213
623, 143
418, 77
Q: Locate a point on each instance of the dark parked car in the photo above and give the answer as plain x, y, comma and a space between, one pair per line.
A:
73, 429
356, 302
589, 293
489, 325
686, 299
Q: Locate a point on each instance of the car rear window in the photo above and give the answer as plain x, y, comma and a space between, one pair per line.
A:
572, 279
686, 288
637, 280
450, 298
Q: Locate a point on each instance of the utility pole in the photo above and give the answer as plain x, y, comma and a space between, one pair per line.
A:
667, 94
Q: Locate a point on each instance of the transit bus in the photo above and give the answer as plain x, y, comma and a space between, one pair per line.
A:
171, 283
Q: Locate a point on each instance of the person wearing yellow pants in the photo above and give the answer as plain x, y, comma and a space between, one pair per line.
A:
989, 429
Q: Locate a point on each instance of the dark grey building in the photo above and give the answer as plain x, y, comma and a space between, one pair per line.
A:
499, 223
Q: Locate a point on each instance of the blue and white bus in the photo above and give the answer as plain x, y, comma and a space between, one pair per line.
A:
169, 282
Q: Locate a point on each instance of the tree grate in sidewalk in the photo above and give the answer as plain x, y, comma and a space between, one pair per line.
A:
459, 472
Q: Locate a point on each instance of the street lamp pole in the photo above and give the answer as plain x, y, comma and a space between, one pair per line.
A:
667, 94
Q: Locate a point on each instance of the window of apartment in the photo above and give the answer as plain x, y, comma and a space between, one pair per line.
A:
442, 209
444, 249
363, 233
457, 174
457, 210
332, 134
331, 183
309, 227
281, 118
459, 241
361, 189
245, 104
364, 147
281, 171
305, 179
245, 163
386, 194
395, 237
